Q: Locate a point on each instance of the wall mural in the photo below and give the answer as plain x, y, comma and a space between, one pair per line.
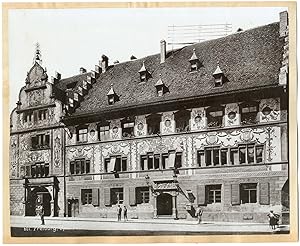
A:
92, 129
269, 109
140, 126
232, 116
14, 156
57, 151
115, 129
168, 123
198, 119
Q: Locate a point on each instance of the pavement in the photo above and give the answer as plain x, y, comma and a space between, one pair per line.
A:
74, 226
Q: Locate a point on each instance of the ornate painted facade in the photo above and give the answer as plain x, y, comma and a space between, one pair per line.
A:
157, 149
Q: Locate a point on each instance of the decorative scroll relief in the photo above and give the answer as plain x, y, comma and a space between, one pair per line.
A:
269, 110
122, 148
232, 116
92, 132
115, 129
13, 156
57, 150
168, 123
35, 98
140, 126
267, 136
198, 119
97, 159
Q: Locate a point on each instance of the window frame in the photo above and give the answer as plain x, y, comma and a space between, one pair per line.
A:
245, 193
216, 191
217, 120
117, 195
87, 196
129, 133
103, 128
249, 118
82, 137
80, 166
182, 120
153, 121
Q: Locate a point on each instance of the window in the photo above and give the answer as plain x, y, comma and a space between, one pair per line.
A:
111, 99
40, 141
115, 164
248, 193
36, 170
153, 123
213, 194
117, 196
142, 195
86, 196
161, 161
248, 113
182, 121
194, 65
42, 114
214, 116
82, 134
128, 128
103, 131
28, 116
214, 156
200, 158
80, 166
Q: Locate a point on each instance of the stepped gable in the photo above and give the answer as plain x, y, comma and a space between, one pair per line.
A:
248, 59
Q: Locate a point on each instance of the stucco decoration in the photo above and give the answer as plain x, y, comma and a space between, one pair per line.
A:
168, 123
198, 119
36, 98
92, 129
57, 151
269, 110
115, 129
78, 152
140, 126
232, 116
13, 156
122, 148
36, 76
266, 136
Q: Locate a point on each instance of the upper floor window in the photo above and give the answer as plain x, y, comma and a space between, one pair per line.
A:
40, 141
248, 193
80, 166
153, 123
249, 113
36, 170
82, 134
115, 164
103, 131
214, 156
42, 114
28, 116
153, 161
182, 121
128, 128
214, 116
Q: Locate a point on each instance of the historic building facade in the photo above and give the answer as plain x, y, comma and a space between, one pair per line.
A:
203, 125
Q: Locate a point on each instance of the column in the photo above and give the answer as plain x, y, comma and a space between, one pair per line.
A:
174, 208
25, 200
52, 208
155, 206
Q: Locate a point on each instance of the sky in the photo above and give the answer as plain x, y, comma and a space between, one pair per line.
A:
74, 38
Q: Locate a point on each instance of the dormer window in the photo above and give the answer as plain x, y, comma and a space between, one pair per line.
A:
161, 89
111, 96
219, 77
143, 73
194, 61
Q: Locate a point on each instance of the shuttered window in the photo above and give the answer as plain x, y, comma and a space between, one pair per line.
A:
264, 194
107, 201
235, 194
171, 160
95, 197
86, 196
132, 198
200, 194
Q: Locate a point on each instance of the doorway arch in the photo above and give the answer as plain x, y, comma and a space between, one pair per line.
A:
39, 196
164, 204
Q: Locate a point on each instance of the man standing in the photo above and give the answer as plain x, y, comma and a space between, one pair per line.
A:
42, 214
119, 211
199, 213
125, 213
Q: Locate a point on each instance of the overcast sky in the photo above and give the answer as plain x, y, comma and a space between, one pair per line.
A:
74, 38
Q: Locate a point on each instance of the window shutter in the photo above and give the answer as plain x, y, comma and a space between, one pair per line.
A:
132, 200
47, 141
95, 197
111, 166
107, 201
171, 160
264, 194
201, 194
33, 142
235, 194
82, 196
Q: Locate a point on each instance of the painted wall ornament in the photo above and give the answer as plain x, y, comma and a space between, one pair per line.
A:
269, 110
115, 129
198, 119
168, 124
141, 126
232, 114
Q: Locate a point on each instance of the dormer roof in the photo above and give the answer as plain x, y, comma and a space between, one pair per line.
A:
159, 82
218, 71
194, 56
143, 68
111, 92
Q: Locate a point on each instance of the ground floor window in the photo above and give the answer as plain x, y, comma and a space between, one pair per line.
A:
152, 161
117, 196
86, 196
213, 194
142, 195
248, 193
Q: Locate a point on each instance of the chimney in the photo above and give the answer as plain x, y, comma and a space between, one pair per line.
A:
132, 57
82, 70
97, 69
163, 51
104, 63
283, 24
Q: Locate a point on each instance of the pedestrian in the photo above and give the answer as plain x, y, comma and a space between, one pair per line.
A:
42, 214
125, 213
272, 219
199, 213
119, 211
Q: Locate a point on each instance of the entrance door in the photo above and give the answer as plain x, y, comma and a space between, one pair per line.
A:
39, 196
73, 207
164, 204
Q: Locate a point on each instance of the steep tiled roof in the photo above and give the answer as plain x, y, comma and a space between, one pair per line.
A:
248, 59
77, 79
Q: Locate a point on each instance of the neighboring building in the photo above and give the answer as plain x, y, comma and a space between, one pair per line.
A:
202, 125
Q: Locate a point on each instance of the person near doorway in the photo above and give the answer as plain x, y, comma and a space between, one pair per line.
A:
41, 213
199, 213
125, 213
119, 212
272, 219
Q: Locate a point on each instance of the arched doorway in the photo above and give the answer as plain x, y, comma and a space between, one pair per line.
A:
285, 202
164, 204
38, 196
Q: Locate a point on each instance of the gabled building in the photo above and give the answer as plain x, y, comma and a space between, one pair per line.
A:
202, 125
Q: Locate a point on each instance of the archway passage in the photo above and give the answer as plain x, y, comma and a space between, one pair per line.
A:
38, 196
164, 204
